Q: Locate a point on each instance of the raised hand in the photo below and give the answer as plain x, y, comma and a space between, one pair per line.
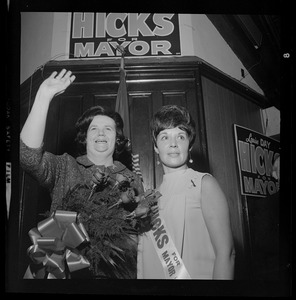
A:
33, 130
57, 84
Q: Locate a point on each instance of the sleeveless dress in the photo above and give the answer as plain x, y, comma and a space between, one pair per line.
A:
180, 208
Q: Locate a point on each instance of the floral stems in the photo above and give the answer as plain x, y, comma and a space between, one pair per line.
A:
92, 191
115, 204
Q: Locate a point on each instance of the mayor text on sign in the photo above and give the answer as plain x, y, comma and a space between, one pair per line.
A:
141, 34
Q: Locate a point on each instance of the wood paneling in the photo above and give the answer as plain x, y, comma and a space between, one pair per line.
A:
140, 115
223, 108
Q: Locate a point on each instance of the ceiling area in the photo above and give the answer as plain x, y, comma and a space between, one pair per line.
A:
256, 40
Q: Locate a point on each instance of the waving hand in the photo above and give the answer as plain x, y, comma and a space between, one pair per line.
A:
57, 83
33, 130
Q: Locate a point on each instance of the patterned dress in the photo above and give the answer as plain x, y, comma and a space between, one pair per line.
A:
180, 208
59, 173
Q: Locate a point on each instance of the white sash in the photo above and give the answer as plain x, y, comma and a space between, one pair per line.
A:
168, 254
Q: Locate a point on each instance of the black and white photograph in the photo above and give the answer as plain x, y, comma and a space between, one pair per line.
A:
144, 147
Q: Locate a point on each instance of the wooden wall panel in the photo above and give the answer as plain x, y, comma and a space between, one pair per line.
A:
223, 108
106, 100
140, 115
69, 109
174, 97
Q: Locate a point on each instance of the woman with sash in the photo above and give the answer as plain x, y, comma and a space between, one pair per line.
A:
191, 236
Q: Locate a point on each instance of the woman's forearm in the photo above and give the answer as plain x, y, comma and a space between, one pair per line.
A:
224, 267
33, 130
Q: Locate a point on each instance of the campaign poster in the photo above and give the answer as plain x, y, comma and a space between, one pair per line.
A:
256, 155
97, 35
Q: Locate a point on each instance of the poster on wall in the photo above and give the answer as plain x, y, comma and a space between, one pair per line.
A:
256, 155
97, 35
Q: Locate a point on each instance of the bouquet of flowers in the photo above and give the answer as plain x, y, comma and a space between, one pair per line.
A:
112, 215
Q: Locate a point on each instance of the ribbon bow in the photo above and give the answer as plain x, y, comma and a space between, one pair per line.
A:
54, 243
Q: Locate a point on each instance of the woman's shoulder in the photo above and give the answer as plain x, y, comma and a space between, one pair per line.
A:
196, 175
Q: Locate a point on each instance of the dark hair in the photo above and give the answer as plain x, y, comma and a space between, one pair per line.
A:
86, 118
171, 116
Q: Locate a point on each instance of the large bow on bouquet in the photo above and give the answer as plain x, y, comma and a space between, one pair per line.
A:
55, 246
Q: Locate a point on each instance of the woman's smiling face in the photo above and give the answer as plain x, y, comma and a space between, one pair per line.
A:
101, 136
172, 147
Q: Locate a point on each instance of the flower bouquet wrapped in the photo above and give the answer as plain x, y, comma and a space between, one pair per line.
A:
111, 215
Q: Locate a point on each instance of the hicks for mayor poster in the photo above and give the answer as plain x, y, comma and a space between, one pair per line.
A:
97, 35
256, 155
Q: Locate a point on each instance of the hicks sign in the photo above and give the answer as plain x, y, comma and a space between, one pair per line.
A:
95, 35
256, 154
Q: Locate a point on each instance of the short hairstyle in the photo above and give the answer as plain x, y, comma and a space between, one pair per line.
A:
86, 118
171, 116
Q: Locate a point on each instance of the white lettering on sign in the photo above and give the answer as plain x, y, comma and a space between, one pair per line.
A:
99, 34
255, 186
160, 46
256, 156
113, 25
255, 159
83, 25
138, 48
